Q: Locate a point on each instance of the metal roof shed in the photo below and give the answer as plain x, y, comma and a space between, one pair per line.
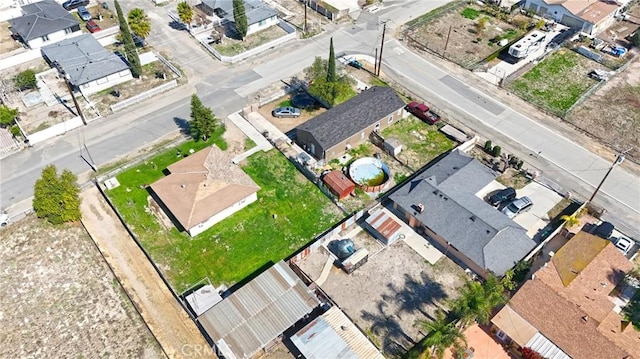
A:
384, 226
333, 335
339, 184
257, 313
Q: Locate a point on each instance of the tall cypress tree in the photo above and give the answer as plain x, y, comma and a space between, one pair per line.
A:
129, 47
331, 69
240, 18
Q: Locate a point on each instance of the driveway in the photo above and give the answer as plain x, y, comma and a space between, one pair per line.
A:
543, 200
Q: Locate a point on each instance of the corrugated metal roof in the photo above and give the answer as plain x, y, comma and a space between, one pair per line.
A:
333, 335
258, 312
384, 224
546, 348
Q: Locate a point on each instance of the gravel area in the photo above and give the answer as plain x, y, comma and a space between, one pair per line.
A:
60, 300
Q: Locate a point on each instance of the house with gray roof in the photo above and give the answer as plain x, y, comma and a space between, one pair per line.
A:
345, 126
259, 14
89, 67
43, 23
442, 202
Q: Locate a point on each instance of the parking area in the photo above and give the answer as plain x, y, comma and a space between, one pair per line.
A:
543, 198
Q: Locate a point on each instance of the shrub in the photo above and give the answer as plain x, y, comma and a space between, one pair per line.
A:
488, 146
470, 13
7, 115
496, 151
519, 165
26, 80
15, 131
636, 38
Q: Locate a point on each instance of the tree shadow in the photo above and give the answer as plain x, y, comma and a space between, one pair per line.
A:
397, 305
183, 125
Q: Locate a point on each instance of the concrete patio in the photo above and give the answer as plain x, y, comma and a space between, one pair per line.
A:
481, 345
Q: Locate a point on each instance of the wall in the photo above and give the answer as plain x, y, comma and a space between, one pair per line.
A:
258, 27
55, 130
305, 139
111, 80
443, 245
199, 228
362, 136
53, 38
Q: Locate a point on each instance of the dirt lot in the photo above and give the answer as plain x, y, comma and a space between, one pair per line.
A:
287, 124
612, 114
7, 44
60, 299
388, 294
466, 45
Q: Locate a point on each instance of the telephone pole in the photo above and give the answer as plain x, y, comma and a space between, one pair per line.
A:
375, 62
617, 161
446, 43
75, 102
384, 29
305, 16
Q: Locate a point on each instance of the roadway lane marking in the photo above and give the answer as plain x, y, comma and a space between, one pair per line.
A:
480, 100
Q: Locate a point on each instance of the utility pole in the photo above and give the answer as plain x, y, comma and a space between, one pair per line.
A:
305, 16
375, 62
75, 102
384, 28
447, 42
619, 159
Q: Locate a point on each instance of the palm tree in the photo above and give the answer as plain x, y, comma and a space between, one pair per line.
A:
139, 22
477, 300
185, 12
570, 220
442, 335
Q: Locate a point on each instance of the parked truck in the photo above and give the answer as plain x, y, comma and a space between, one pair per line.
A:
423, 112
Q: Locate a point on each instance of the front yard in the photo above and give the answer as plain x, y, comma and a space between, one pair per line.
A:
557, 82
290, 212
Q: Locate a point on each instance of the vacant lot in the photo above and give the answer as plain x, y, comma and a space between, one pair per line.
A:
231, 46
557, 82
289, 212
421, 142
60, 300
612, 113
468, 32
390, 293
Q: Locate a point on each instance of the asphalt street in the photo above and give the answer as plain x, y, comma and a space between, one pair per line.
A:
227, 89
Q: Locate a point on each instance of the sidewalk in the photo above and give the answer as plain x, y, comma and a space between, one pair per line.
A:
173, 328
261, 143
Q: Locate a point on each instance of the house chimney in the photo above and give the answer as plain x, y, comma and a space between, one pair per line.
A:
420, 207
182, 186
585, 318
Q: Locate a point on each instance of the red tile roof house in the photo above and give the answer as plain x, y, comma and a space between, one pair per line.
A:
568, 309
203, 189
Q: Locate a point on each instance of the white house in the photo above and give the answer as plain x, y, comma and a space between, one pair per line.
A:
260, 15
588, 16
44, 23
88, 66
203, 189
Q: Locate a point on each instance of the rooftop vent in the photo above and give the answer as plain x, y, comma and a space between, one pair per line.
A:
420, 207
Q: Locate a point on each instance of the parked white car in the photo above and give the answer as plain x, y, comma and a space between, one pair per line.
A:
624, 244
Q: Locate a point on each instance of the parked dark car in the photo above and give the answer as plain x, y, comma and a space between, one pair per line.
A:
74, 4
502, 196
92, 26
138, 41
604, 230
84, 13
286, 112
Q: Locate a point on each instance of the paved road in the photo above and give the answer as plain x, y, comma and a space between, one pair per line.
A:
227, 88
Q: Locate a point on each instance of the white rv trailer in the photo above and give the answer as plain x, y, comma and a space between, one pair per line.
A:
528, 44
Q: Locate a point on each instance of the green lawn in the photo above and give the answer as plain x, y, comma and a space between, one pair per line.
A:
420, 142
290, 212
557, 82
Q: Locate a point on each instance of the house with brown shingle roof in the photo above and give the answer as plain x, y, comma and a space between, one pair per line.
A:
588, 16
568, 309
203, 189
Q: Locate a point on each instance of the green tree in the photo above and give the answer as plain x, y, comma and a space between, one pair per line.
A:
636, 38
26, 80
7, 115
240, 18
317, 70
203, 122
570, 220
481, 25
57, 197
331, 68
185, 12
442, 335
130, 50
631, 311
477, 300
139, 22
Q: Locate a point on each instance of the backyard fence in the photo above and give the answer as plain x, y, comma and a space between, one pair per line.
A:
169, 65
143, 96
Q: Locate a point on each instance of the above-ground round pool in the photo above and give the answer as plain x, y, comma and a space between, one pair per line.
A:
369, 173
302, 100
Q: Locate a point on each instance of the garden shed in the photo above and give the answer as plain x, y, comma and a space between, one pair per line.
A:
339, 184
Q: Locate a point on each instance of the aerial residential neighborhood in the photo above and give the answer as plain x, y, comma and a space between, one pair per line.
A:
320, 179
